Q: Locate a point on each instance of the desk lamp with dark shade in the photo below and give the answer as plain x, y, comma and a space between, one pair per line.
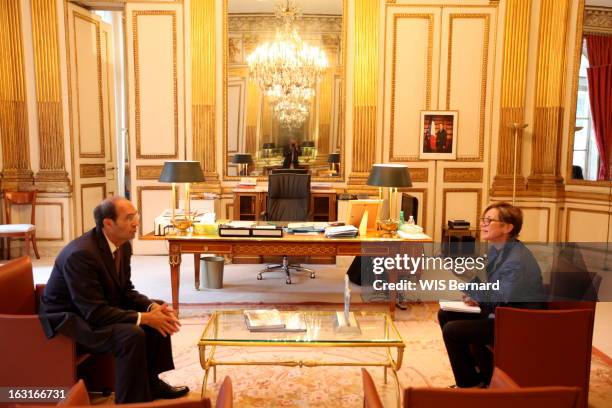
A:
333, 159
267, 150
391, 176
242, 160
181, 172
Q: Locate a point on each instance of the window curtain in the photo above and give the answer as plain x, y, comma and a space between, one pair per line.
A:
599, 76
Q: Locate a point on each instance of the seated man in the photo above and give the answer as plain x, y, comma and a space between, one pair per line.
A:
90, 298
510, 262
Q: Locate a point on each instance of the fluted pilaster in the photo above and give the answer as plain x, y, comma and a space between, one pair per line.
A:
203, 87
365, 89
549, 104
16, 171
513, 91
52, 174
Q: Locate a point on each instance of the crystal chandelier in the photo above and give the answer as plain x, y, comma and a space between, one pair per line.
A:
291, 113
287, 69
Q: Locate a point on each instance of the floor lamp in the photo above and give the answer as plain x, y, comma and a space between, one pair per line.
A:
515, 126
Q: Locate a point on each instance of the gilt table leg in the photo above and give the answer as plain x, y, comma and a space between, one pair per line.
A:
174, 258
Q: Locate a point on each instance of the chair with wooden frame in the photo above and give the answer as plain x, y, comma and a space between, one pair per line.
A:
25, 231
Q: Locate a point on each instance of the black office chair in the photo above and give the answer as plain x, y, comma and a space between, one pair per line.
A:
290, 171
288, 200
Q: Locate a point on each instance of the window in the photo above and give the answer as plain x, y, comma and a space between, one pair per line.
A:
586, 155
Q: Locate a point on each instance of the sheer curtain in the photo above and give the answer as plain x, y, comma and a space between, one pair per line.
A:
599, 76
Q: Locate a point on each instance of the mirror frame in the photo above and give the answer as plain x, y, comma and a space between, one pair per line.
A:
582, 9
341, 115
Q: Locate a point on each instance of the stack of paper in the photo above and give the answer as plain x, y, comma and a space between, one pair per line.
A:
274, 321
458, 306
240, 224
341, 231
306, 227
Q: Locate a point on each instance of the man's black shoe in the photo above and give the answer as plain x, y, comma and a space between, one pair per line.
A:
164, 390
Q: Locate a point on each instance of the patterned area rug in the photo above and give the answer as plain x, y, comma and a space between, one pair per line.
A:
425, 363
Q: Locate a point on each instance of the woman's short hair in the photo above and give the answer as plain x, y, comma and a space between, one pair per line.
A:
508, 214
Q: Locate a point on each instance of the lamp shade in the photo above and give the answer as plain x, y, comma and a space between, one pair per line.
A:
333, 158
308, 143
242, 158
181, 172
389, 175
268, 146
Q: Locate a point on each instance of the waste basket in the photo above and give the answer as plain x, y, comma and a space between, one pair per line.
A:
213, 271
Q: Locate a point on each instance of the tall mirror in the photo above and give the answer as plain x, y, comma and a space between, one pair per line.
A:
284, 87
588, 136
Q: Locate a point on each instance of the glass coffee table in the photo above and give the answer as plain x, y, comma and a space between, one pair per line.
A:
228, 329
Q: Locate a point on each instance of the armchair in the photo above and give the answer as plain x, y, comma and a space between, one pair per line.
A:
534, 348
34, 359
25, 231
79, 397
502, 393
288, 200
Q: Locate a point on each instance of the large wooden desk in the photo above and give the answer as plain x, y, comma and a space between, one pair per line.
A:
291, 245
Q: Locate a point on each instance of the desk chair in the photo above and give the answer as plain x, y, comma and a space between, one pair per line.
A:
290, 171
25, 231
288, 200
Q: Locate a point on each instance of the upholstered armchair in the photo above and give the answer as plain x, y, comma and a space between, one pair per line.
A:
503, 392
546, 347
33, 359
79, 397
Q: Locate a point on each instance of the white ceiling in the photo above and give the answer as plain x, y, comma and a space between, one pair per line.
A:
267, 6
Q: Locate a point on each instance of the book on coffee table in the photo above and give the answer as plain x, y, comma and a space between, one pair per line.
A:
271, 320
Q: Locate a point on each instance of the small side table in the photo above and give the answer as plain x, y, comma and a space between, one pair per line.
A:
465, 243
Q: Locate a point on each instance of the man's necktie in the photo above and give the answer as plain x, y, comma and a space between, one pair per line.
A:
117, 257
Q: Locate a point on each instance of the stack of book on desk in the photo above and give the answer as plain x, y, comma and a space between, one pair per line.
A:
274, 321
249, 229
343, 231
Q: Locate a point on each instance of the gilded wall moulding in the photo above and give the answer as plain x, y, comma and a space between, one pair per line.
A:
137, 82
419, 175
463, 175
598, 20
139, 191
148, 172
477, 191
304, 25
92, 170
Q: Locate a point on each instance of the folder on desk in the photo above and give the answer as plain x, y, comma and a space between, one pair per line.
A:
260, 231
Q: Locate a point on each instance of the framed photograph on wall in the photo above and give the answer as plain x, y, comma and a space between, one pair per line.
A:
438, 137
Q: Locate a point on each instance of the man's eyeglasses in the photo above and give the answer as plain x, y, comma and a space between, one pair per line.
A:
486, 221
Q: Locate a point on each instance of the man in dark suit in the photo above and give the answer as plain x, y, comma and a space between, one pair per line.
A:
291, 152
90, 298
440, 138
